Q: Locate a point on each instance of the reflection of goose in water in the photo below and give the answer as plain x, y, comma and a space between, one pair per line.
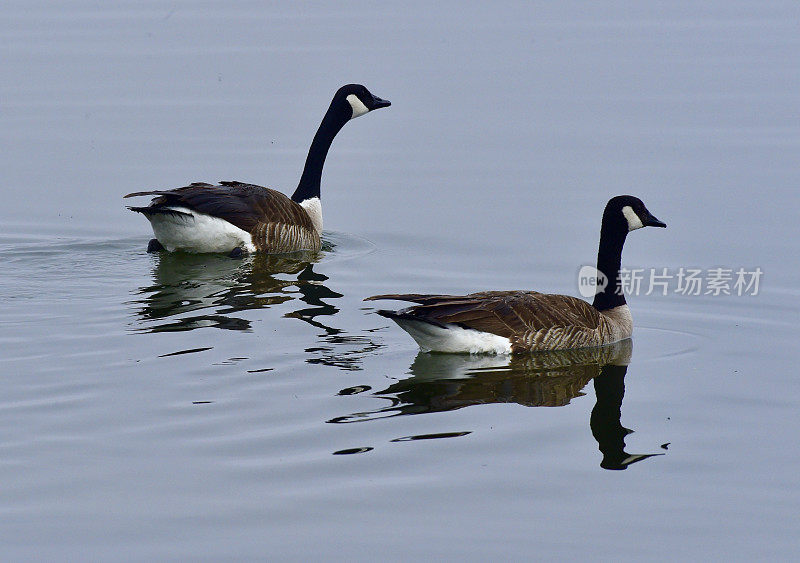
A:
194, 291
609, 388
443, 382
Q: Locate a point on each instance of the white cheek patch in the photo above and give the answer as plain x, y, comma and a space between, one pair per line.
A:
358, 106
633, 219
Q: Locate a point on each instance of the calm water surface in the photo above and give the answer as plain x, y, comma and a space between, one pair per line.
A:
180, 406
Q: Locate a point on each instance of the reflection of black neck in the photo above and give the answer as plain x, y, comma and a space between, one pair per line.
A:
609, 260
609, 387
312, 292
309, 185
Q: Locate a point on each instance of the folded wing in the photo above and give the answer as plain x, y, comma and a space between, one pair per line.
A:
243, 205
512, 314
276, 223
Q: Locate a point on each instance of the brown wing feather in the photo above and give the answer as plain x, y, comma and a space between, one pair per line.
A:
505, 313
245, 205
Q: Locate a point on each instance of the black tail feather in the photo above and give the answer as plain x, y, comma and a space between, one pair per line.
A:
150, 210
410, 316
388, 314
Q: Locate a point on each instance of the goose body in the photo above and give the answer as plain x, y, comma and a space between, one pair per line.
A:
502, 322
236, 216
207, 218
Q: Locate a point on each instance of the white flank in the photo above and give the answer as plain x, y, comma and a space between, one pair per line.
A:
453, 338
633, 219
198, 232
313, 207
358, 106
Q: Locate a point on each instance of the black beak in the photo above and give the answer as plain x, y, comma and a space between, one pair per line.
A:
653, 222
378, 103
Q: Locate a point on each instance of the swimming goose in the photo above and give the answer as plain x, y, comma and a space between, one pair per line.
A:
236, 217
504, 322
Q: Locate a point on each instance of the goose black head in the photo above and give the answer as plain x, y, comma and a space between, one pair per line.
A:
629, 211
355, 100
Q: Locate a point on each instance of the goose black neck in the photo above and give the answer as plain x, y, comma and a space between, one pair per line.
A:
309, 185
609, 261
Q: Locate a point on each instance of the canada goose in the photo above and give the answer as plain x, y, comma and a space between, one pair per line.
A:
504, 322
236, 217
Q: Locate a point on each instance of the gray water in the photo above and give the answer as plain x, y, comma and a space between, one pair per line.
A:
178, 406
